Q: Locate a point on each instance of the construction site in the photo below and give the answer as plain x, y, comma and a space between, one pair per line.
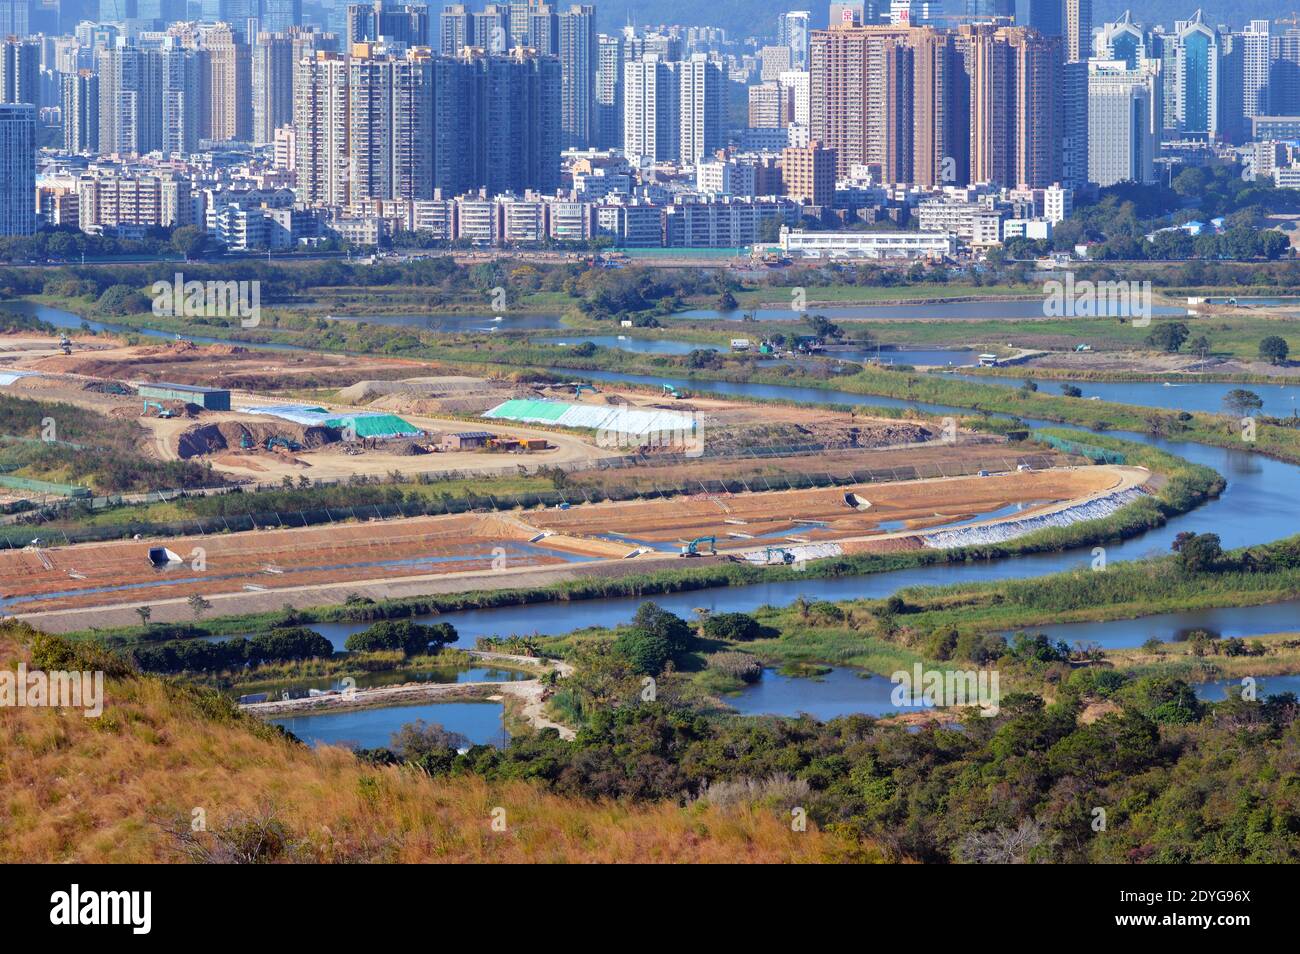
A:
485, 550
649, 477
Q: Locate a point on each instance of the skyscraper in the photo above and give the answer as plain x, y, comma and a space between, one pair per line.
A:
1045, 16
130, 100
609, 92
20, 71
320, 119
17, 169
497, 123
230, 98
390, 125
1123, 121
455, 29
1016, 113
15, 17
1256, 58
406, 23
792, 31
651, 113
702, 102
185, 78
1196, 59
1122, 40
576, 46
81, 112
272, 84
1078, 30
278, 16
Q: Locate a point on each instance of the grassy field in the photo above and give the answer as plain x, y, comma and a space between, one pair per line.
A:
124, 788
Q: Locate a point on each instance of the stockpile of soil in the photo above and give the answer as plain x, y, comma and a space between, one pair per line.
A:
227, 435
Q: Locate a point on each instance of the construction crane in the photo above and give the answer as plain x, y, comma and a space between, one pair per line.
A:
162, 411
692, 549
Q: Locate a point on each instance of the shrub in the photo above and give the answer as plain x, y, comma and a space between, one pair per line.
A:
740, 666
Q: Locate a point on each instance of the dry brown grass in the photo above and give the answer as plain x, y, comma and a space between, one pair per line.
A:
115, 789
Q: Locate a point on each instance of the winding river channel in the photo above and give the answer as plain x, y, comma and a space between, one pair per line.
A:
1261, 503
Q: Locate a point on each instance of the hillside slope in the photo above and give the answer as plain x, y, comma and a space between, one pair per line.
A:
125, 787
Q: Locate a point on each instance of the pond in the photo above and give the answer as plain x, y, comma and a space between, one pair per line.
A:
839, 692
480, 722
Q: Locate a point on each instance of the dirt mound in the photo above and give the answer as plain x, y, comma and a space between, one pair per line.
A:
220, 436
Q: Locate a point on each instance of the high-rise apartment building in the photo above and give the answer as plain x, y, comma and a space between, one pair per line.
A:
280, 16
1121, 40
271, 84
651, 127
577, 47
405, 23
186, 79
610, 55
81, 112
230, 100
497, 122
1256, 58
1077, 24
390, 125
455, 29
130, 100
320, 119
17, 169
702, 101
808, 173
20, 71
1015, 102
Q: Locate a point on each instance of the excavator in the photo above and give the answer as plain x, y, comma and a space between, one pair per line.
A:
579, 387
65, 344
692, 549
670, 391
162, 411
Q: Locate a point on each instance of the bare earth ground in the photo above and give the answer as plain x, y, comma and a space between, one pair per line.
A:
472, 551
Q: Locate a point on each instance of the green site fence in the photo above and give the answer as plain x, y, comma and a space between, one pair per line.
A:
1099, 455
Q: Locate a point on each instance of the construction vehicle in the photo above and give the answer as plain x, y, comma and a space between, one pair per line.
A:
162, 411
65, 344
579, 387
784, 555
291, 445
692, 549
246, 441
670, 391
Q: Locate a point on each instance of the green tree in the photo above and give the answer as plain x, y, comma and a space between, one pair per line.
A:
646, 652
1274, 350
1168, 336
1198, 552
1241, 402
190, 241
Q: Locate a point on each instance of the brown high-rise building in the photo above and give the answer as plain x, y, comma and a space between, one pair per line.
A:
808, 173
893, 97
939, 107
1016, 105
230, 96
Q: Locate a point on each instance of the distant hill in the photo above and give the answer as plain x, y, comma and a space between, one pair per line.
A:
742, 18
